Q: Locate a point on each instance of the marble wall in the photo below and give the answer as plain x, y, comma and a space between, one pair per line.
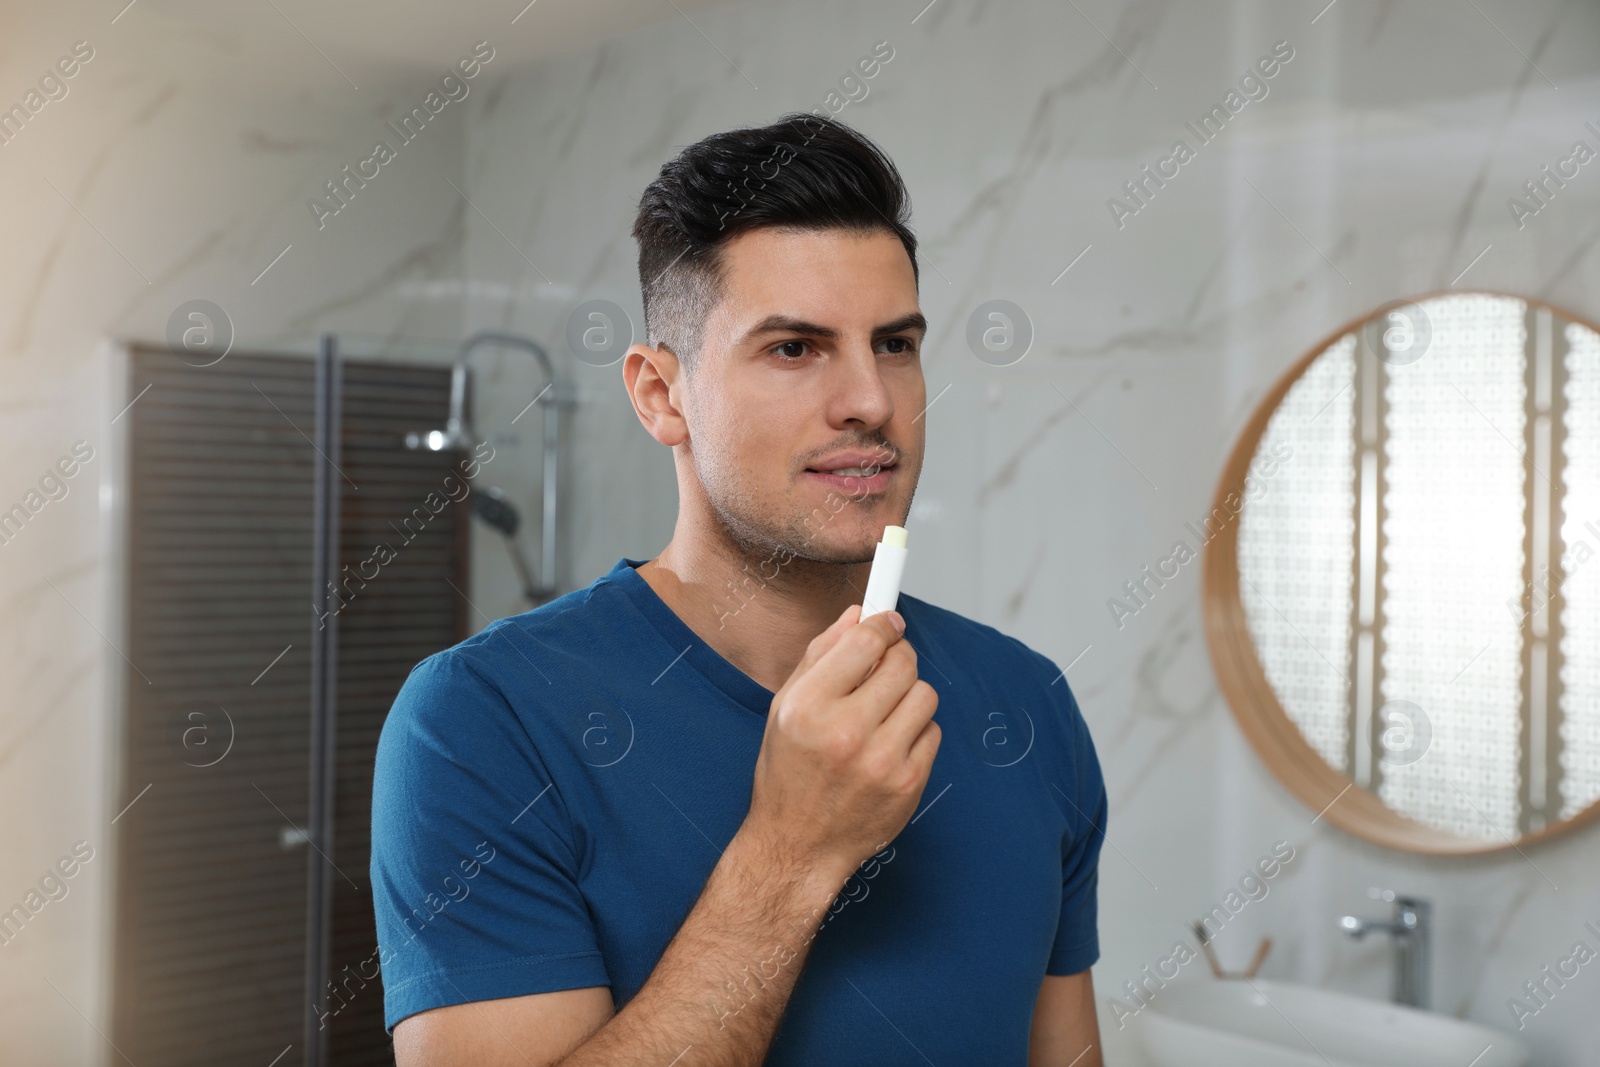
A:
1378, 164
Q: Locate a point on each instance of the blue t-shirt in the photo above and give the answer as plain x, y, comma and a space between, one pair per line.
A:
552, 793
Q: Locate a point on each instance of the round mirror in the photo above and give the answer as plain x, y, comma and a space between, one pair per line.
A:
1401, 594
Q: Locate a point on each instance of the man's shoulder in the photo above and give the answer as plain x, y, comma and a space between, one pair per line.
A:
495, 670
1009, 666
982, 665
969, 636
514, 641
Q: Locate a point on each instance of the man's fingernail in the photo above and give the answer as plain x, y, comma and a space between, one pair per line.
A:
898, 620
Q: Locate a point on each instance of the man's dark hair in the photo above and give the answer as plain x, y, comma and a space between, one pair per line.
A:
804, 171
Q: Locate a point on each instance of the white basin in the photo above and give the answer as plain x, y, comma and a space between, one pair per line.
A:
1255, 1023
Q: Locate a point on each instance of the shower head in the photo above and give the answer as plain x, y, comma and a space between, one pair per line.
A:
493, 506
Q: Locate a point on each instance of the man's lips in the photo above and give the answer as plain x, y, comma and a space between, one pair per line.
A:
854, 484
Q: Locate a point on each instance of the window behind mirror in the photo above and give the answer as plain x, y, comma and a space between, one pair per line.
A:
1417, 571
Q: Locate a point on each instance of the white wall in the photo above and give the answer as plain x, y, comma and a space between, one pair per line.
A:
187, 156
1383, 155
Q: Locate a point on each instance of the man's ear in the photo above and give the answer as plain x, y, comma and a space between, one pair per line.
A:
652, 378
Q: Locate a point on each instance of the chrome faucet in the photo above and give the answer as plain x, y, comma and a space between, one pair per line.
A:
1411, 929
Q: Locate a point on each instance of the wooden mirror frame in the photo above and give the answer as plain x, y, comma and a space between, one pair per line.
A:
1323, 788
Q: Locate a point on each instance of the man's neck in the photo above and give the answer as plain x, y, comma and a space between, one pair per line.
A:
757, 613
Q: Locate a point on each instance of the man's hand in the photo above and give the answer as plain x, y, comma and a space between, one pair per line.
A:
848, 747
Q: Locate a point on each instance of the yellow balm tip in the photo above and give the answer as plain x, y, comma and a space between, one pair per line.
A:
894, 535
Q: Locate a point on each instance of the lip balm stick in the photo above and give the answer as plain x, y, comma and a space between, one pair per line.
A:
888, 565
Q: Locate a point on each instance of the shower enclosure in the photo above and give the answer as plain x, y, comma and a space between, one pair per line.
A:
294, 530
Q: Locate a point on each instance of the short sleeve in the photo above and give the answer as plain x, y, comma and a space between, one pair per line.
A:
1077, 943
474, 867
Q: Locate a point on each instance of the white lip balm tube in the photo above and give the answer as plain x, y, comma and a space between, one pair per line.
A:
888, 565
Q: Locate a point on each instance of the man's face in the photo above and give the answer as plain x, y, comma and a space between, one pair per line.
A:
811, 362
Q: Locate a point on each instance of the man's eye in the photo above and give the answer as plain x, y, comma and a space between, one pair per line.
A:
905, 346
781, 349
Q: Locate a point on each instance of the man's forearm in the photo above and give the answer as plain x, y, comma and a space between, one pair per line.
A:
719, 989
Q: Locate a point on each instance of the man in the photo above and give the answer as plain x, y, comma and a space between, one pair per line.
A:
699, 812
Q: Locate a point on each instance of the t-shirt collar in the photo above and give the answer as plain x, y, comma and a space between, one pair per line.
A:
695, 652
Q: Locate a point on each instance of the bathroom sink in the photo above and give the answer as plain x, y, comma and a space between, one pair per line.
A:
1255, 1023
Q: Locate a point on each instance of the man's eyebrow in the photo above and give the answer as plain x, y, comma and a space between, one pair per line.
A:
789, 324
